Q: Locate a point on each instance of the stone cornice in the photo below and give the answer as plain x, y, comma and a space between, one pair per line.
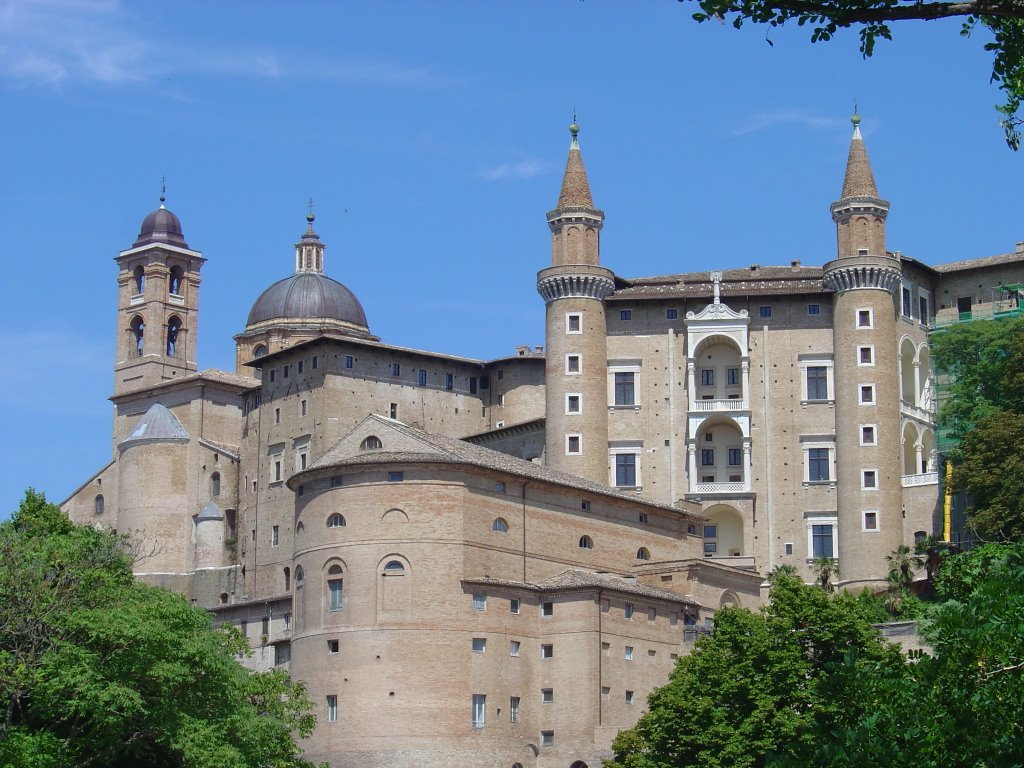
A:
859, 272
575, 285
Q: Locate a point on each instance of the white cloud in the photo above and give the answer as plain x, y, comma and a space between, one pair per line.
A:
798, 117
524, 169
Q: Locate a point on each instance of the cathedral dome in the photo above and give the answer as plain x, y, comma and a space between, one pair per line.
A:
310, 296
161, 226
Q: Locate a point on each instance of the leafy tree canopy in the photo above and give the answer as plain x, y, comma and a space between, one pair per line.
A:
98, 669
1004, 19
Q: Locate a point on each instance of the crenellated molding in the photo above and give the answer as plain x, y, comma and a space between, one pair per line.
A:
863, 272
577, 282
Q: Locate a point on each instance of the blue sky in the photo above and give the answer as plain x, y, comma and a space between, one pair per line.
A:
432, 138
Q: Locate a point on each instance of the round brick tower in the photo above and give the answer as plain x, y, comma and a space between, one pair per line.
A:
574, 288
865, 280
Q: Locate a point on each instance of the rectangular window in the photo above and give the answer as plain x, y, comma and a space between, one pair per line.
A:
864, 318
395, 477
585, 505
629, 697
923, 302
572, 363
573, 403
707, 457
867, 434
302, 461
865, 356
573, 323
547, 651
479, 602
627, 611
870, 521
789, 548
302, 408
514, 605
547, 738
735, 457
671, 314
300, 365
449, 382
625, 314
479, 644
513, 647
547, 608
908, 303
272, 372
869, 479
818, 460
315, 362
337, 481
285, 373
813, 309
732, 377
275, 536
335, 594
764, 311
628, 653
472, 385
625, 470
277, 415
332, 709
817, 382
499, 487
513, 709
707, 377
421, 377
643, 518
332, 646
652, 614
479, 710
547, 696
396, 369
393, 410
867, 394
821, 541
349, 361
624, 393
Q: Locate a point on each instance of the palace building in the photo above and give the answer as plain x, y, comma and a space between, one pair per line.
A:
493, 562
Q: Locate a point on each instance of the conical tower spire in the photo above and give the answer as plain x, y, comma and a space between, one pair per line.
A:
575, 191
859, 180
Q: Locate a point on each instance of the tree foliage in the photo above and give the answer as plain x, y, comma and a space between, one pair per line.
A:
98, 669
1003, 19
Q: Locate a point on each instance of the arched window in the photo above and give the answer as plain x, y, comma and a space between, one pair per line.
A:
643, 554
174, 282
173, 328
287, 579
500, 525
393, 568
98, 504
139, 274
337, 520
138, 330
334, 588
260, 351
215, 484
371, 443
299, 576
586, 542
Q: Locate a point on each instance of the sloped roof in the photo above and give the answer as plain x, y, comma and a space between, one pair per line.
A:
158, 425
859, 180
438, 449
210, 512
752, 281
575, 579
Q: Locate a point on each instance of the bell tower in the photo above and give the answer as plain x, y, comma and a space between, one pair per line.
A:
157, 304
865, 279
574, 288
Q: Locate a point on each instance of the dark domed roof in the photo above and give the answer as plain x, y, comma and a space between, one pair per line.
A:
161, 226
310, 295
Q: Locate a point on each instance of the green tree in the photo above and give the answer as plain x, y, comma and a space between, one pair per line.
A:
991, 470
1003, 19
98, 669
750, 692
825, 569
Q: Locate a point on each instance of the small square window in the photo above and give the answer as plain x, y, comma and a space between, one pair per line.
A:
513, 647
499, 487
336, 481
332, 646
813, 309
867, 435
547, 651
547, 608
629, 697
869, 479
573, 403
547, 695
865, 355
395, 477
572, 444
585, 505
870, 521
572, 363
671, 314
864, 319
573, 323
867, 394
349, 361
628, 653
479, 644
479, 602
514, 605
789, 548
547, 738
643, 518
764, 311
625, 314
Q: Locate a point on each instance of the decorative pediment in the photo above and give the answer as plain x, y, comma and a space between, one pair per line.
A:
716, 310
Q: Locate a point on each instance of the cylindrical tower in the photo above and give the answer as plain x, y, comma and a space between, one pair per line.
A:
865, 280
574, 289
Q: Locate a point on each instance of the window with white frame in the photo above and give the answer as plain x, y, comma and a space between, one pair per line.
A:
275, 535
479, 710
573, 403
625, 466
513, 647
628, 652
629, 697
816, 377
821, 535
573, 363
868, 434
479, 644
547, 651
869, 479
866, 355
547, 696
573, 443
819, 457
870, 521
867, 394
479, 602
623, 377
574, 322
332, 708
547, 738
513, 709
865, 318
547, 608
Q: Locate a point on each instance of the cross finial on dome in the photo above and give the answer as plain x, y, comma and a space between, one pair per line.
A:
309, 216
163, 190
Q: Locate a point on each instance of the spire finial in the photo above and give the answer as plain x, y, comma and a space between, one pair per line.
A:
716, 279
163, 190
309, 216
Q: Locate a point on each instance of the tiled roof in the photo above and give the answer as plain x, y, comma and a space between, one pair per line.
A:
450, 450
575, 191
574, 579
986, 261
859, 180
260, 361
752, 281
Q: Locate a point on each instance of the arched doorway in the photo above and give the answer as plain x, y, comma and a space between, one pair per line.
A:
723, 533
